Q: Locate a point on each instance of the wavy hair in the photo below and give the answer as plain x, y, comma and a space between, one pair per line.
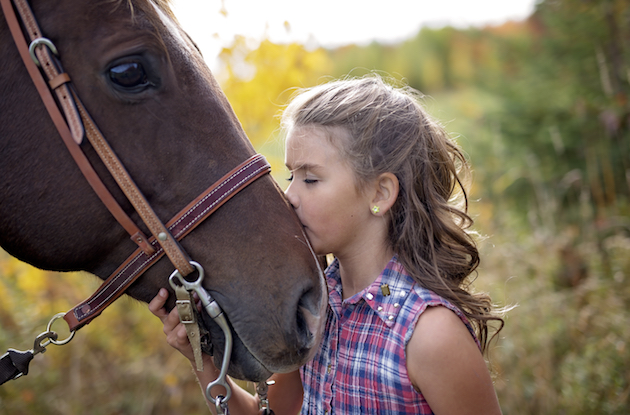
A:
389, 131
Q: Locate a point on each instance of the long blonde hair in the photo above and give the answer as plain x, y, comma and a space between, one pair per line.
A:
389, 131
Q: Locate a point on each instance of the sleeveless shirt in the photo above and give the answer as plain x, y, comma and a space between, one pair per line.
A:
361, 365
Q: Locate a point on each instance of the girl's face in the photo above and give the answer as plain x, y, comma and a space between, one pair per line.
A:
323, 192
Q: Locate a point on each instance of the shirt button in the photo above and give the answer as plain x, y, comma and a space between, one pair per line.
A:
369, 296
329, 368
379, 308
390, 318
396, 305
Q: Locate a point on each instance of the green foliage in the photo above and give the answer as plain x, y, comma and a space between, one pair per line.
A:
565, 349
258, 79
567, 105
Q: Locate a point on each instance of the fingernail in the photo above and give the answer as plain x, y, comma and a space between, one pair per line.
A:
163, 292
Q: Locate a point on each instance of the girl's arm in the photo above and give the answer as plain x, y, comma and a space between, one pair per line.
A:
445, 364
285, 396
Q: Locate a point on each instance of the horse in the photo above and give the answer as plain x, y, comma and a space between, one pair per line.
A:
147, 88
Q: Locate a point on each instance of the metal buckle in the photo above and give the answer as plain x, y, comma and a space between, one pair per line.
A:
186, 312
41, 41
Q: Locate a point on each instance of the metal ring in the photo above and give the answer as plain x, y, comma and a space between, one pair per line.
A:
41, 41
48, 328
221, 405
189, 285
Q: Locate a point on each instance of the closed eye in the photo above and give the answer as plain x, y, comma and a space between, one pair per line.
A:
307, 181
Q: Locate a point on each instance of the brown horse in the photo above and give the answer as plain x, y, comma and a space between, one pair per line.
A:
148, 89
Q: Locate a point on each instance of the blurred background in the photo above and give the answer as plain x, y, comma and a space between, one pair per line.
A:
536, 92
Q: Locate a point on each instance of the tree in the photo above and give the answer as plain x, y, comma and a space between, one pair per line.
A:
258, 80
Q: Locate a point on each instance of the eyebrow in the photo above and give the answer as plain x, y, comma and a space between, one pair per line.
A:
306, 166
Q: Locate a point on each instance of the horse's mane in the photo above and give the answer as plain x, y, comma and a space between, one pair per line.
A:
164, 5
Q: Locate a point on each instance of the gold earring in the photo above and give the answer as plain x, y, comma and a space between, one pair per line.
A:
375, 209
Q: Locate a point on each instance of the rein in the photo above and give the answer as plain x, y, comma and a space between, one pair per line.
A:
73, 125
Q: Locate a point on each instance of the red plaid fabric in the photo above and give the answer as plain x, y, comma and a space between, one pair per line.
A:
361, 364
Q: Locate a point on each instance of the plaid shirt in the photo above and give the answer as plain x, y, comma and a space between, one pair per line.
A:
361, 365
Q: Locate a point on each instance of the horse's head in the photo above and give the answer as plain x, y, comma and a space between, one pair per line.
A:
148, 89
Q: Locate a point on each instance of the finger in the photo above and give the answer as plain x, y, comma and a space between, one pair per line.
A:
156, 306
171, 321
178, 339
182, 336
197, 301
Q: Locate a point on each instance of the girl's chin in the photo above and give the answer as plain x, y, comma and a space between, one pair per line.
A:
315, 243
320, 252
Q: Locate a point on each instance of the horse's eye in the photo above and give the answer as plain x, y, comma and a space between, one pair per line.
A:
129, 75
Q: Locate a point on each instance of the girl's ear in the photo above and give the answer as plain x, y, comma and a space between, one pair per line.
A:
385, 193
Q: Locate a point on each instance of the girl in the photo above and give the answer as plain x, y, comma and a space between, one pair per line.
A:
374, 181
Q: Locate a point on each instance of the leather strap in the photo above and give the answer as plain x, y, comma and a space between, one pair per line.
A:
75, 151
49, 65
180, 226
175, 253
59, 80
186, 308
77, 117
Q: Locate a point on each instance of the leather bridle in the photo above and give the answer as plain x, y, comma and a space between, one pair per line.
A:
73, 125
164, 239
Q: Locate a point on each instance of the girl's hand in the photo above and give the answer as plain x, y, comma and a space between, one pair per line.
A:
241, 401
175, 331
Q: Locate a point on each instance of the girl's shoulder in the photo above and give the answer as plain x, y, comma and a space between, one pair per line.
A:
422, 299
446, 364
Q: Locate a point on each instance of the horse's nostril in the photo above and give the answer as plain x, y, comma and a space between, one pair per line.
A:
311, 300
309, 317
304, 333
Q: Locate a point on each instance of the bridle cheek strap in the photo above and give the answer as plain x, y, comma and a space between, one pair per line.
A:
181, 224
71, 132
175, 253
42, 51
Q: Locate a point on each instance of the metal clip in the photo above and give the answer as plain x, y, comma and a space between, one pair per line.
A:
263, 402
176, 280
38, 347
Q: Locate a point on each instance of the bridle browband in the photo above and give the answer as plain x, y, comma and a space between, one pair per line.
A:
73, 125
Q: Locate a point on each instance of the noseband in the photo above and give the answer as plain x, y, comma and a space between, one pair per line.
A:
73, 126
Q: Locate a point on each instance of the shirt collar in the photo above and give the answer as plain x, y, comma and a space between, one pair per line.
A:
385, 295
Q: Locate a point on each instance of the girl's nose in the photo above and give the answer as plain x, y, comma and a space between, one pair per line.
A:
291, 196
